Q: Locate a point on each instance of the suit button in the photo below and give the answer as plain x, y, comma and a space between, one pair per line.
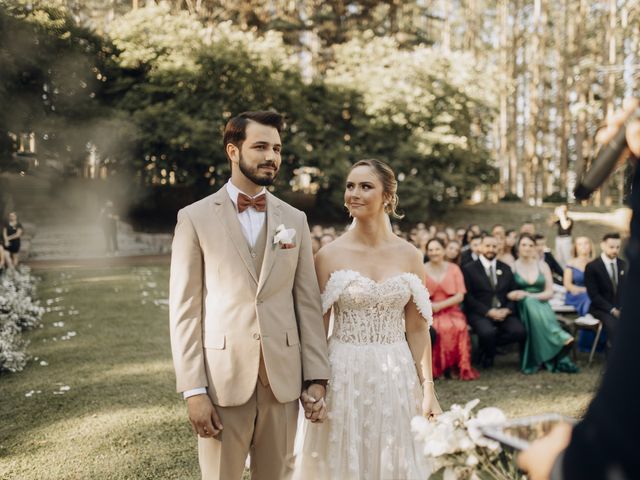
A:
260, 302
253, 254
256, 336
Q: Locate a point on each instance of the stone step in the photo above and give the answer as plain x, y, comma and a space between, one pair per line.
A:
64, 224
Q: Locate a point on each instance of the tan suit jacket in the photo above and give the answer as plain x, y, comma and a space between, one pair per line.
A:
223, 312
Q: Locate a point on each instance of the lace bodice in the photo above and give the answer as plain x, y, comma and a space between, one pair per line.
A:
366, 311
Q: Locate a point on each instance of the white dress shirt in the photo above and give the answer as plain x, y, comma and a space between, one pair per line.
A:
609, 264
251, 222
486, 263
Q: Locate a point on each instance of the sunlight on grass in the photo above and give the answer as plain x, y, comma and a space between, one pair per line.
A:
120, 417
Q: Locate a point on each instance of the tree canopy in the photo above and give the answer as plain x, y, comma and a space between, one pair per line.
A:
154, 91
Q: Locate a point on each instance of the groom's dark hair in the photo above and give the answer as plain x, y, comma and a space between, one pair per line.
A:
235, 131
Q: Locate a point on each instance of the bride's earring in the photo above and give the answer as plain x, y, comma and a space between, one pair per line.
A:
347, 209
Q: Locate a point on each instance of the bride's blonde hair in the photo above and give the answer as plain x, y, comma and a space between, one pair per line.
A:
389, 183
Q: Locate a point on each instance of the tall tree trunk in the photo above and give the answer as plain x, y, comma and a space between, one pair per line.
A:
532, 160
503, 125
563, 121
515, 165
446, 27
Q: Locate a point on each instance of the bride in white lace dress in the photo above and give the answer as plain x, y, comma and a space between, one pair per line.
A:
379, 350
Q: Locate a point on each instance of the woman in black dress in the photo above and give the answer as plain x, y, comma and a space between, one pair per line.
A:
11, 234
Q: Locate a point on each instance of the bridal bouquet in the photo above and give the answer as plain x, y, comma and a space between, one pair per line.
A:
455, 446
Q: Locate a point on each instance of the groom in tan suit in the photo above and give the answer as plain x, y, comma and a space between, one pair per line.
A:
247, 335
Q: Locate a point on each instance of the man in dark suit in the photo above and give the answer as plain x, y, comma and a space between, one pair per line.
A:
603, 278
472, 253
489, 312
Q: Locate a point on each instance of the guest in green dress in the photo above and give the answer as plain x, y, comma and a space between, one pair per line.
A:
547, 344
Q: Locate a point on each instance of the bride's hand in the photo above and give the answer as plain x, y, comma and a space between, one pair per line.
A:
430, 406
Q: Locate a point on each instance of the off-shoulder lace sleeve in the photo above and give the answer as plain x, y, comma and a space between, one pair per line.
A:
336, 284
420, 296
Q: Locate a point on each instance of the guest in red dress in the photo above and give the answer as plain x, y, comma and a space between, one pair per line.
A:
452, 349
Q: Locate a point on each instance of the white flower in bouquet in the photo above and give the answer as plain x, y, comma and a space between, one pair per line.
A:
454, 443
484, 417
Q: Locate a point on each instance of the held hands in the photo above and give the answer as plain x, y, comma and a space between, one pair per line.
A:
312, 399
430, 405
203, 416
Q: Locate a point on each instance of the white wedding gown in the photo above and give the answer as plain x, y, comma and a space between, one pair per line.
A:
373, 391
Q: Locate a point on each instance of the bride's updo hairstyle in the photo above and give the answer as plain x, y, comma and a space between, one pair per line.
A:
389, 183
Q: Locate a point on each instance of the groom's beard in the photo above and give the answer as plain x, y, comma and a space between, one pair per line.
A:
254, 174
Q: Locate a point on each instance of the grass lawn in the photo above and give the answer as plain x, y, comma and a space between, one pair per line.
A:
120, 418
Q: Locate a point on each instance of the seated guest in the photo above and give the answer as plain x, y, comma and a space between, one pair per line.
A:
573, 278
504, 252
473, 252
315, 245
327, 238
423, 239
460, 235
489, 312
451, 233
316, 232
442, 236
528, 227
498, 231
545, 254
444, 280
510, 242
582, 252
603, 278
547, 343
472, 231
452, 252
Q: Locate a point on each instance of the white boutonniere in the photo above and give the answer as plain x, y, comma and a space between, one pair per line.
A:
285, 237
498, 272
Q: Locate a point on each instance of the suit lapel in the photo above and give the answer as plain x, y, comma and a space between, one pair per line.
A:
483, 274
605, 272
274, 218
226, 211
621, 271
499, 276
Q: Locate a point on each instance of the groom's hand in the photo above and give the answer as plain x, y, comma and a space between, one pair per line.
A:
313, 403
203, 416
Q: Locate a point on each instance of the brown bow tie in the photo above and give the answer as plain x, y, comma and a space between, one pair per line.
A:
245, 201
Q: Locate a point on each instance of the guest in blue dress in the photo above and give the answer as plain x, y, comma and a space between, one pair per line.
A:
582, 253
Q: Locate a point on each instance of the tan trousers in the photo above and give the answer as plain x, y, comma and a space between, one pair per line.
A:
263, 427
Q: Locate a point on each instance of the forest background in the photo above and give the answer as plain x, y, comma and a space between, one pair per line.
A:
466, 99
